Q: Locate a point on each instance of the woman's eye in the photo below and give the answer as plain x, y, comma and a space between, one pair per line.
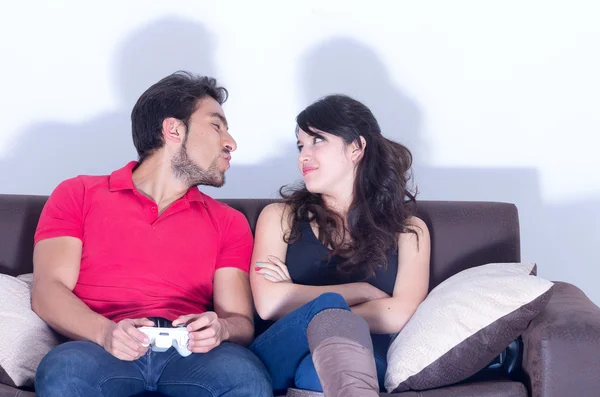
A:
317, 139
300, 148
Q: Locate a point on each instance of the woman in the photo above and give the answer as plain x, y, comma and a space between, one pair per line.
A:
346, 242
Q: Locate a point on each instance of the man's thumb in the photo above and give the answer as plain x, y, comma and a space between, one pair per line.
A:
142, 322
183, 319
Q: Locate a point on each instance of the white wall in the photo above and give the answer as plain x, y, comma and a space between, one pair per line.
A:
499, 100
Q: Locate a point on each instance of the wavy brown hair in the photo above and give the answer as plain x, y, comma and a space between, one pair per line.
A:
382, 200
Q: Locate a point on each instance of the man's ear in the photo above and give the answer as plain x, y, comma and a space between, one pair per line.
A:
173, 129
357, 150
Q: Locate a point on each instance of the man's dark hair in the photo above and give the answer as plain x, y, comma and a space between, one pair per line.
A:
174, 96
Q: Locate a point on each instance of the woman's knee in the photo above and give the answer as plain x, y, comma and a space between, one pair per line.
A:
306, 376
330, 300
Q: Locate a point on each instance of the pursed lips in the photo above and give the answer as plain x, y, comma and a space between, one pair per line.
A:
227, 158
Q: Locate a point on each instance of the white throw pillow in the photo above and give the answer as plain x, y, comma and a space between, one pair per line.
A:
463, 324
24, 337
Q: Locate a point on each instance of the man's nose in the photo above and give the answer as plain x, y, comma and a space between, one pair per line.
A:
229, 143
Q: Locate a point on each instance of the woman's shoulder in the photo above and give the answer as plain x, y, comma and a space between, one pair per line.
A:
416, 222
416, 225
276, 209
276, 212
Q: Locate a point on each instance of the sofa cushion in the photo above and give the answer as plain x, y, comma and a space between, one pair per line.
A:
463, 324
24, 337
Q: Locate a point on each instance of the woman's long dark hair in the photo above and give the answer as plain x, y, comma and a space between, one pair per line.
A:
382, 201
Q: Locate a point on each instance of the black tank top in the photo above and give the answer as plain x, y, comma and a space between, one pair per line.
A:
308, 264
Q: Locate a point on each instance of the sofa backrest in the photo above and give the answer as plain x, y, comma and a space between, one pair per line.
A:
464, 234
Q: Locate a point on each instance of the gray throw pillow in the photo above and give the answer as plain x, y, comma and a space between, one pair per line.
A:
463, 324
24, 337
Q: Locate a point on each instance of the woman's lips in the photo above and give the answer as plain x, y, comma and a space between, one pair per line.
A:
306, 170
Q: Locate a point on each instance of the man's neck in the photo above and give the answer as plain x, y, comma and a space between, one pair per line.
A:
154, 179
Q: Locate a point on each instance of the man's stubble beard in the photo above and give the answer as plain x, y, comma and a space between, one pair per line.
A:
192, 174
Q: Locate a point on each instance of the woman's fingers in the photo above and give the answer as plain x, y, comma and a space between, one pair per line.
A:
279, 263
270, 269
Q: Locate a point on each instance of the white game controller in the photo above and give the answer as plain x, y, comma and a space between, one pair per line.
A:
161, 339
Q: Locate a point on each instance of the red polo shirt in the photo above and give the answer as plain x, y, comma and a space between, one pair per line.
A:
135, 263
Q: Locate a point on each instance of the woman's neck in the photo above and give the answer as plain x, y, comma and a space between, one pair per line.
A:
339, 205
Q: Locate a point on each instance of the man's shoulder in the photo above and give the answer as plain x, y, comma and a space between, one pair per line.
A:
81, 183
219, 207
223, 211
116, 180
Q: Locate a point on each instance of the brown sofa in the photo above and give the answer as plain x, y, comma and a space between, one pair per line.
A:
561, 347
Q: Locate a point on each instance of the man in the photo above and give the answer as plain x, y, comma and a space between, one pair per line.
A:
144, 247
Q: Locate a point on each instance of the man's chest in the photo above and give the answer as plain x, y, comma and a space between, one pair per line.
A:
131, 239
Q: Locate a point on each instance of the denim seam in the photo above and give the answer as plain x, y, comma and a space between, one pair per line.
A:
207, 388
102, 381
165, 367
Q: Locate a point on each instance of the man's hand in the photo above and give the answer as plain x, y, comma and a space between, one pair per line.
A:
275, 270
124, 341
207, 331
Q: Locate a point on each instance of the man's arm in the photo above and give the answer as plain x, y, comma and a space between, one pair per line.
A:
56, 263
232, 319
233, 316
233, 305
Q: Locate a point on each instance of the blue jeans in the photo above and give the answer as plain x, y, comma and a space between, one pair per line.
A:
86, 369
283, 347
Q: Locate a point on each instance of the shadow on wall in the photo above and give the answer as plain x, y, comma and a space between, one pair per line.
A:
553, 236
48, 153
348, 67
340, 66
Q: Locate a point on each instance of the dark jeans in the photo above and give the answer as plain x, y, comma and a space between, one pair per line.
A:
283, 347
86, 369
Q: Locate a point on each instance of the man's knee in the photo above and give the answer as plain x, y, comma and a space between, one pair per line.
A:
62, 362
242, 366
66, 357
69, 361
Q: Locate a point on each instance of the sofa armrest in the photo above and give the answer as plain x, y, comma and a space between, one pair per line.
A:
561, 346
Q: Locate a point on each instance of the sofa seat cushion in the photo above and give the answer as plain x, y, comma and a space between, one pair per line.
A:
476, 389
488, 388
10, 391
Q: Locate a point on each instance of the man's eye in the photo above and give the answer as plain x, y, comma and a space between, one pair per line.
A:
217, 126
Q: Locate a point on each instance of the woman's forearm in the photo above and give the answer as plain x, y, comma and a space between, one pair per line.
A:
385, 316
283, 298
